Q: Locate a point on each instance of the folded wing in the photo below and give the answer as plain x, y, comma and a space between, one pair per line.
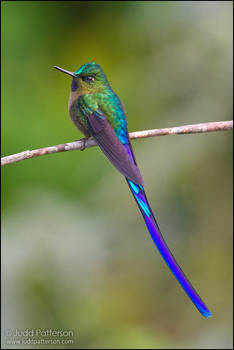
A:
104, 135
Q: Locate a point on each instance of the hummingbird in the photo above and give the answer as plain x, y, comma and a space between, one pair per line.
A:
97, 112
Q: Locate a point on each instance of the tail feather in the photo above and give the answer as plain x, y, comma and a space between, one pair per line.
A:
151, 223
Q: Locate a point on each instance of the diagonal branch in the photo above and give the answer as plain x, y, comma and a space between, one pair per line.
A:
86, 143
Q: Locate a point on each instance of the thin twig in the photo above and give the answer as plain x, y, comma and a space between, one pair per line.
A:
84, 143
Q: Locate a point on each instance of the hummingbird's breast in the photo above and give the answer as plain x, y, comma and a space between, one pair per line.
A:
76, 116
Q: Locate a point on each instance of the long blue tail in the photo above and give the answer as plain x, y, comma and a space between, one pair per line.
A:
151, 223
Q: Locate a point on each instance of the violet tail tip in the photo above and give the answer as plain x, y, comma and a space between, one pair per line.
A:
206, 313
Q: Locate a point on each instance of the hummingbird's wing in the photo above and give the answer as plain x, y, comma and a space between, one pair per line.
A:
104, 135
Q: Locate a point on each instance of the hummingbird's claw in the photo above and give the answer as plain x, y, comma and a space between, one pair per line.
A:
83, 140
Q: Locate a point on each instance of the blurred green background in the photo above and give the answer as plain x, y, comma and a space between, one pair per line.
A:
76, 254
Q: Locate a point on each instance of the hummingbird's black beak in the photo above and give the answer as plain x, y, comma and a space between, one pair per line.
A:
65, 71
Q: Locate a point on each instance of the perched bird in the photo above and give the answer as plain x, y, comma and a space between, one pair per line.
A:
98, 112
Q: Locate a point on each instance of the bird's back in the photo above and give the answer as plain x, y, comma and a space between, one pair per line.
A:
110, 104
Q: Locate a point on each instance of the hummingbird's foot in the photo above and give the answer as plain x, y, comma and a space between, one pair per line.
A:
83, 140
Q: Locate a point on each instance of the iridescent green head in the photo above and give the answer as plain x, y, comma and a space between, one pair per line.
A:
89, 78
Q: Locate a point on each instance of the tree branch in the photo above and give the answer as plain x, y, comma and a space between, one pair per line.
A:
86, 143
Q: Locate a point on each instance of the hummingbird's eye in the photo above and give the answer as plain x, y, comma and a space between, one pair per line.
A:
88, 78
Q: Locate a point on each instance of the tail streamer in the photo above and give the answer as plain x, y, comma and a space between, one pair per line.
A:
153, 228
